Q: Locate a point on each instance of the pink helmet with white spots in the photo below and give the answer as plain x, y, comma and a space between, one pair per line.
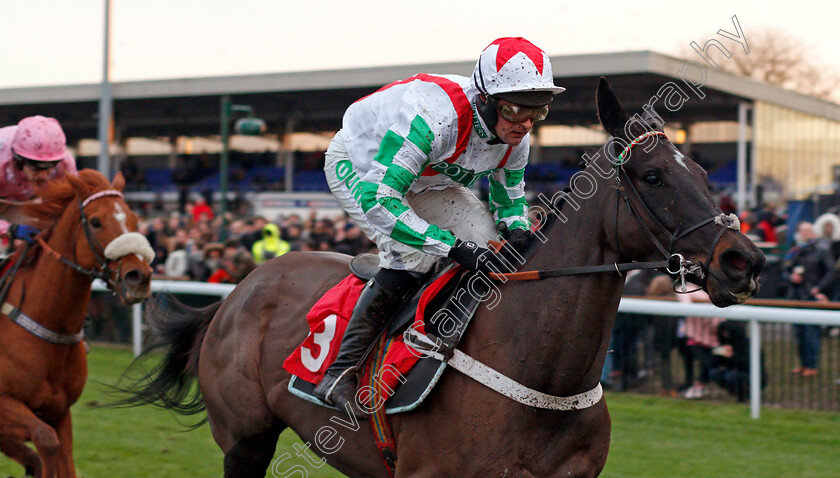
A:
40, 139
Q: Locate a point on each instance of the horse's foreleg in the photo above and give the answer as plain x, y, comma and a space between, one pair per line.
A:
18, 451
64, 429
18, 423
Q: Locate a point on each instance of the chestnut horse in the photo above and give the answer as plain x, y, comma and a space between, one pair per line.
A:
550, 335
87, 231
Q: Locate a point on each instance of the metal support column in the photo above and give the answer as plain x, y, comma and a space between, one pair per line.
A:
227, 111
753, 169
741, 200
289, 156
536, 149
105, 99
688, 145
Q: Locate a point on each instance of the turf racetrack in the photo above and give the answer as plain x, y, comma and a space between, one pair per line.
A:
652, 437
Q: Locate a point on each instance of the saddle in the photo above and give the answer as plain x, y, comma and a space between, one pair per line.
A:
442, 308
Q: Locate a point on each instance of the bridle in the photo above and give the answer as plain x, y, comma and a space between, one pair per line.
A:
102, 269
684, 267
674, 263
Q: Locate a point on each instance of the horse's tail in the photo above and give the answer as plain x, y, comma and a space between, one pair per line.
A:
172, 382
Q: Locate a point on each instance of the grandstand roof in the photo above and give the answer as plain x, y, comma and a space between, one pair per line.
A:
316, 100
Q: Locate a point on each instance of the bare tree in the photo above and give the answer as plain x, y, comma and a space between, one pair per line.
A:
781, 59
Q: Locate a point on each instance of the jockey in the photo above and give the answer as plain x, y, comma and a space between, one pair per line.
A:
401, 165
31, 153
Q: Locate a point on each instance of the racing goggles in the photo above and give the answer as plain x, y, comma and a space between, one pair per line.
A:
519, 114
36, 165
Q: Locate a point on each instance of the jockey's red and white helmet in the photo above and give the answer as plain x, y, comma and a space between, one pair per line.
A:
513, 65
40, 139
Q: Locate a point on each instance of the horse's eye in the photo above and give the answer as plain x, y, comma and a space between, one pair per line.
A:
652, 179
95, 222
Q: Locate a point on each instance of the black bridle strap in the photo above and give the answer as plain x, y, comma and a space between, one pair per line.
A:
95, 273
103, 262
672, 237
641, 221
673, 261
619, 268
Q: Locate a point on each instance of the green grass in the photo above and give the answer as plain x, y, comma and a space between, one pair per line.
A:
652, 437
660, 437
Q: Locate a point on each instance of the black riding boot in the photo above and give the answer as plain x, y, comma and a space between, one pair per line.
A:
377, 304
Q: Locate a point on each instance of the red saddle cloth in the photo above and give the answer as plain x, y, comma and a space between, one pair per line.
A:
328, 320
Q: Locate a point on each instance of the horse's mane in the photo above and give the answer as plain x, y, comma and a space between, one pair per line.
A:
57, 195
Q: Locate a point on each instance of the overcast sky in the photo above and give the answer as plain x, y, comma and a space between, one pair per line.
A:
48, 42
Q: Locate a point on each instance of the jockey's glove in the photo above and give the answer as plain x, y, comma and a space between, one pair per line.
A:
472, 257
23, 231
517, 238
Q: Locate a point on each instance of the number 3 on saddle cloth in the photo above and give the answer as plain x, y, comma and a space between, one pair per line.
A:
442, 308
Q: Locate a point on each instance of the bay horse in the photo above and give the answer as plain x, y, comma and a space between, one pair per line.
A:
550, 335
87, 231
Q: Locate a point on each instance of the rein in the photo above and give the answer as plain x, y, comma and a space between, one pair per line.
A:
674, 263
95, 273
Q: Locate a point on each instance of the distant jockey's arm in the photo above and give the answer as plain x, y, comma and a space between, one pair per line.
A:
399, 163
23, 231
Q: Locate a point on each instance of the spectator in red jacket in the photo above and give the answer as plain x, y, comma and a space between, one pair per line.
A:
201, 211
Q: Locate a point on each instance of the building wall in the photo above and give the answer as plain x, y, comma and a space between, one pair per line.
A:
796, 153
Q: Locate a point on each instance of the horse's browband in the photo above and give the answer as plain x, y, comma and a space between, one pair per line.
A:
95, 196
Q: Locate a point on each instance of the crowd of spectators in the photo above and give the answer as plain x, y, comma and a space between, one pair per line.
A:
195, 245
711, 350
807, 268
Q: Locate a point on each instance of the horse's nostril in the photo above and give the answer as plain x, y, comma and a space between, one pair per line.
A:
739, 262
734, 264
133, 277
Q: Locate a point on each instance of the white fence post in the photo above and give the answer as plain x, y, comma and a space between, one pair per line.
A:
749, 313
170, 286
137, 328
755, 370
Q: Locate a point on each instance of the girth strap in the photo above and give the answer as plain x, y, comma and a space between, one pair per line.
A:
38, 330
498, 382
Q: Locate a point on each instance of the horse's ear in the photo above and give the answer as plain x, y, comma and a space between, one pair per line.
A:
612, 115
78, 183
653, 120
119, 181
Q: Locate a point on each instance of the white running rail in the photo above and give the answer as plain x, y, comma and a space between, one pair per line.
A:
747, 313
167, 286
